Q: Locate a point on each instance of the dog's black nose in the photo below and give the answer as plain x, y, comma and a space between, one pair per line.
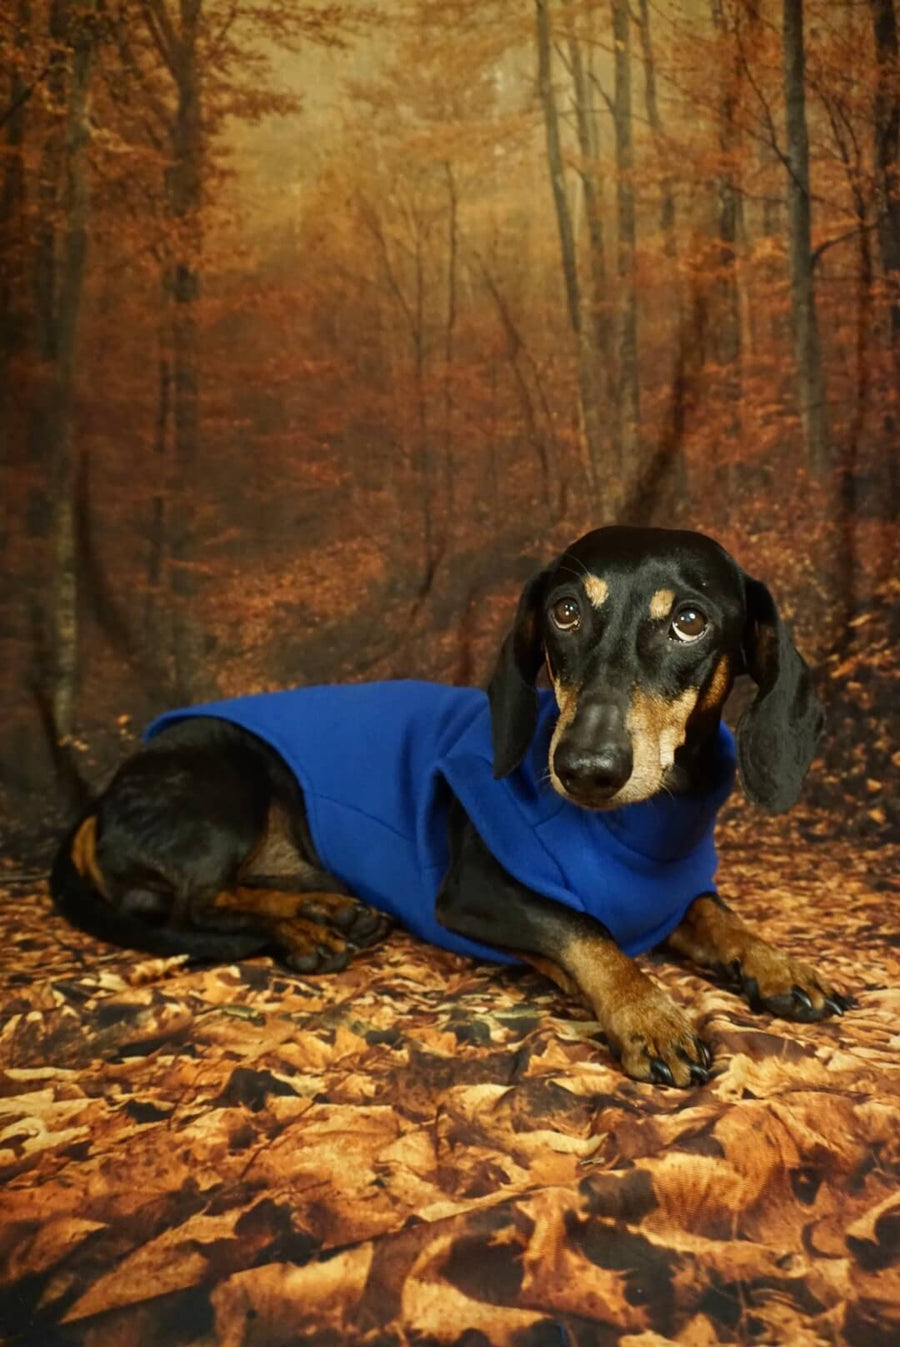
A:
594, 774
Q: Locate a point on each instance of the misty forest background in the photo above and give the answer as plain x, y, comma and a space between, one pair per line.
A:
321, 325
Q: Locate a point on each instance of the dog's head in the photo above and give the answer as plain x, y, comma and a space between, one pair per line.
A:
643, 632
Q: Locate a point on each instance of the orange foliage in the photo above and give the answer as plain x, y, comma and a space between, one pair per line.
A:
389, 430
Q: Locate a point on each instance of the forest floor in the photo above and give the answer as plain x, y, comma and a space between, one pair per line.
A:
425, 1150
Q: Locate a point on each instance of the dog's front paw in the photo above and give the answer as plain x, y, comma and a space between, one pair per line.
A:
772, 981
655, 1042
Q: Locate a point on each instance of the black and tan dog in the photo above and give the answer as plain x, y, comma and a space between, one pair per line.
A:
202, 843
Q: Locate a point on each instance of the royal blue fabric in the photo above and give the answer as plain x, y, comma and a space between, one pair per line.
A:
377, 763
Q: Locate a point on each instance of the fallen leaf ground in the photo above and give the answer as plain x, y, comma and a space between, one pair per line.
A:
423, 1150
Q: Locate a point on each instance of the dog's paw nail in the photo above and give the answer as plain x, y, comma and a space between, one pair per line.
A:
750, 989
301, 963
331, 960
801, 997
699, 1070
660, 1072
836, 1004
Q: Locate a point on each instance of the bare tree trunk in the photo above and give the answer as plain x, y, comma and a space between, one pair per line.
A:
185, 196
887, 164
413, 312
887, 152
449, 334
12, 252
751, 35
157, 611
668, 465
667, 209
728, 212
175, 37
50, 180
59, 276
593, 204
807, 347
74, 255
517, 352
425, 465
587, 354
726, 326
628, 409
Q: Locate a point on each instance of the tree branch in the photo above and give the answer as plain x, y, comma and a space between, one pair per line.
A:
603, 94
135, 69
25, 95
159, 26
842, 238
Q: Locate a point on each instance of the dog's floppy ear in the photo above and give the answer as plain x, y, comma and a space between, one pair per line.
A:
777, 734
511, 691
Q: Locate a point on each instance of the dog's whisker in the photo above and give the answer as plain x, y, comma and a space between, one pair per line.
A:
578, 574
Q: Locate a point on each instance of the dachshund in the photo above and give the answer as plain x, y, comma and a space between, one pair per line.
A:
567, 826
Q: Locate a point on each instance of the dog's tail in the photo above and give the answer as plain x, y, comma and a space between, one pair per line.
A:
76, 896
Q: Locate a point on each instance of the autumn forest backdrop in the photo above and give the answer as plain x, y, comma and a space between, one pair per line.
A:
321, 325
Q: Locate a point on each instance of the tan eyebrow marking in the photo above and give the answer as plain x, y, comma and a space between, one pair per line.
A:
596, 589
661, 603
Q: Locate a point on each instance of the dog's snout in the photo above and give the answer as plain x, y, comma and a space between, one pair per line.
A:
593, 774
593, 758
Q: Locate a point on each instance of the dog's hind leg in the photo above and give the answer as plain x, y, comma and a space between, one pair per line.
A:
313, 932
200, 845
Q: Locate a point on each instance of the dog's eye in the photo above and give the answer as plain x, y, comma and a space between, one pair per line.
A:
566, 614
688, 624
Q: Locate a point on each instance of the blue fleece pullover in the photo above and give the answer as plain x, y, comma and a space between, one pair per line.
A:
377, 763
